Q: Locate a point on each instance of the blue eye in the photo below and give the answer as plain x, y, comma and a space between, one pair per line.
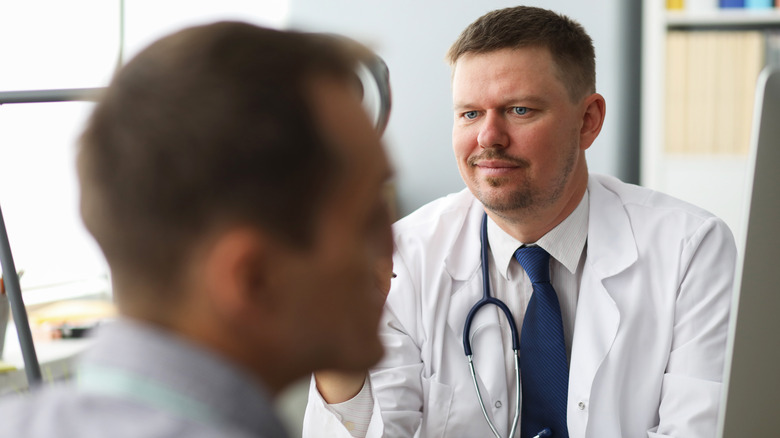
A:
470, 115
520, 110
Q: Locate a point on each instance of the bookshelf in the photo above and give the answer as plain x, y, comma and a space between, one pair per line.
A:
723, 18
696, 148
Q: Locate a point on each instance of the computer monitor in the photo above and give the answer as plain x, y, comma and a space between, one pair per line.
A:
751, 398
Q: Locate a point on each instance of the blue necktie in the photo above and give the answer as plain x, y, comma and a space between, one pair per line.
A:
543, 364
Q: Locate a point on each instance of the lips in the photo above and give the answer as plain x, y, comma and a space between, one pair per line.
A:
495, 164
495, 169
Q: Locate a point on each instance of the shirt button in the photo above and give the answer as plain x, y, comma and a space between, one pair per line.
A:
581, 406
498, 404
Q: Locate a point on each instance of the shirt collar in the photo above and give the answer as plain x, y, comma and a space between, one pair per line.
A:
163, 359
564, 243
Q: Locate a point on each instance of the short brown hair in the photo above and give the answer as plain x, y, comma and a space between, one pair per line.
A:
524, 26
208, 127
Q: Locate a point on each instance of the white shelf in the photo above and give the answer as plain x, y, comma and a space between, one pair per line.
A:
717, 183
724, 18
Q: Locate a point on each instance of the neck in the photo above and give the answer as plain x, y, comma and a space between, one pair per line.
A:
529, 225
262, 359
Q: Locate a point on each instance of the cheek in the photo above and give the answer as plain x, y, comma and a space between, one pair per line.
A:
463, 143
345, 274
360, 271
349, 307
538, 143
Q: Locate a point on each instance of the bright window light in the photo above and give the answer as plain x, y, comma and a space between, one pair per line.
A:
53, 44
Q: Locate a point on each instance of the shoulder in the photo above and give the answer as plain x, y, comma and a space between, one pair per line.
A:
652, 214
63, 410
454, 204
438, 219
641, 200
442, 236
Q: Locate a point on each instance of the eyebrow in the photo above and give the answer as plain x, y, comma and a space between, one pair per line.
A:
515, 101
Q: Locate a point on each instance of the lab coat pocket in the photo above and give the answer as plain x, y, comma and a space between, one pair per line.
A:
438, 399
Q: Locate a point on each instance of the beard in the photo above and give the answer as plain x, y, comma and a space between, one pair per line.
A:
526, 196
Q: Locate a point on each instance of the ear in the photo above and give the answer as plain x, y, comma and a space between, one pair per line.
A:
236, 273
592, 119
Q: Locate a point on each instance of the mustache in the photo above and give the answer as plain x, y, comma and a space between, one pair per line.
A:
494, 154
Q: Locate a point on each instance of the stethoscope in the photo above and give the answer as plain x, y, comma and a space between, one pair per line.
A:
487, 299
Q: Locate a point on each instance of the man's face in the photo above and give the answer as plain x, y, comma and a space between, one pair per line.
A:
337, 302
516, 131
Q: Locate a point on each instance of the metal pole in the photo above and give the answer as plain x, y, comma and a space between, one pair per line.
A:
14, 292
61, 95
10, 278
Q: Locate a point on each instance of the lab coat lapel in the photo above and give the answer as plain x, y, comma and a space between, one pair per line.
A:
464, 267
611, 249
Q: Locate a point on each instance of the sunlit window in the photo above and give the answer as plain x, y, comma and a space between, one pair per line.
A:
57, 44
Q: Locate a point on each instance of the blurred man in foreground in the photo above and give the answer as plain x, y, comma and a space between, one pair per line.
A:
234, 183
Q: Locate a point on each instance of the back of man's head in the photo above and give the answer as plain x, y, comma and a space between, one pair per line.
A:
209, 126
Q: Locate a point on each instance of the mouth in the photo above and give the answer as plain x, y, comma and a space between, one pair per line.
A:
495, 164
492, 168
496, 167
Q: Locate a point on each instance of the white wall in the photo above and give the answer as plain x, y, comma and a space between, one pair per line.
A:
413, 37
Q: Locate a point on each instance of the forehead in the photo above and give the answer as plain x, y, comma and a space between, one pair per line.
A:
527, 69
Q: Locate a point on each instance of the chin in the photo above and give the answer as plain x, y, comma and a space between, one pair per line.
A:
504, 202
505, 193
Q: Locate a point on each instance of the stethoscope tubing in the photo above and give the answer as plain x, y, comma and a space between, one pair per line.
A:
488, 299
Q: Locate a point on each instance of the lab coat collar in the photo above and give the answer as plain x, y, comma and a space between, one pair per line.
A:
461, 264
611, 243
611, 247
565, 242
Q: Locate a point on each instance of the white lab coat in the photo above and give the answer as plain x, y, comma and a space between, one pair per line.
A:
649, 337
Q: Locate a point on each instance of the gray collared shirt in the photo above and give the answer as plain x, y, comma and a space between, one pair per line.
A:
139, 381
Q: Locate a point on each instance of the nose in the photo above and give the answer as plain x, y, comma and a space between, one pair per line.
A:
492, 132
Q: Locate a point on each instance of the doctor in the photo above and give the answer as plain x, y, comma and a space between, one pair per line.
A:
643, 281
